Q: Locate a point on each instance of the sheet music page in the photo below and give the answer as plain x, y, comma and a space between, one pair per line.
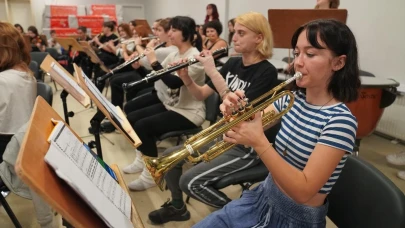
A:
80, 169
68, 79
106, 103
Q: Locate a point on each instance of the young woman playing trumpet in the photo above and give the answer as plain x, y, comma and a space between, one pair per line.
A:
316, 136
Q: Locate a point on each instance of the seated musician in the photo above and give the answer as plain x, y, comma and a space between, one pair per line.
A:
171, 106
38, 43
81, 58
212, 31
327, 4
125, 35
252, 73
139, 71
105, 53
18, 90
316, 137
117, 93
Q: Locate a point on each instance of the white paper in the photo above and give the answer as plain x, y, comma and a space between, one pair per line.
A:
68, 79
80, 169
106, 103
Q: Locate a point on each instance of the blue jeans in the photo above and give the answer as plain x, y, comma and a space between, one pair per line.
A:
266, 206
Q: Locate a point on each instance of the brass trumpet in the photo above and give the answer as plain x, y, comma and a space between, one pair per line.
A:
158, 167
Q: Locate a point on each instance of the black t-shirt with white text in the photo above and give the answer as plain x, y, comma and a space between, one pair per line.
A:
104, 39
255, 79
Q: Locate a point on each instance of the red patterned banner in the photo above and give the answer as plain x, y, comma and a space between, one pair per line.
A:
90, 21
63, 10
104, 10
59, 22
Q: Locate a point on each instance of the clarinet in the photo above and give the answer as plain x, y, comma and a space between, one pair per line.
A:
154, 75
126, 63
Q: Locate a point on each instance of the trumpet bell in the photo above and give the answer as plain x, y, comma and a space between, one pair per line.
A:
152, 165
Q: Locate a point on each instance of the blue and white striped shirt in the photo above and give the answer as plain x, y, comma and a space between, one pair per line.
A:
306, 125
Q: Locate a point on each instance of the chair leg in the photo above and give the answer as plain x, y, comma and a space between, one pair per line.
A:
9, 212
187, 199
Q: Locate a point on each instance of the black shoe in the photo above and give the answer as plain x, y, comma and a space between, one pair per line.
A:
169, 213
107, 127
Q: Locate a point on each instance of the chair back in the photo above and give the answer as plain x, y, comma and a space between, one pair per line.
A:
45, 91
35, 69
38, 57
53, 52
364, 197
212, 108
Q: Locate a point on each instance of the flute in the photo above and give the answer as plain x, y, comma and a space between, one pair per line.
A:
133, 40
156, 74
104, 44
126, 63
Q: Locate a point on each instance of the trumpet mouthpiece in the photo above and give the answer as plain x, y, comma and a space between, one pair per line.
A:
298, 75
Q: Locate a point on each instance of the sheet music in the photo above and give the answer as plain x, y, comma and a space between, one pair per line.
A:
106, 103
80, 169
68, 79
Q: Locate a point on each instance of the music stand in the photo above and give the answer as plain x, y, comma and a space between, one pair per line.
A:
68, 83
41, 178
93, 56
284, 22
102, 111
145, 23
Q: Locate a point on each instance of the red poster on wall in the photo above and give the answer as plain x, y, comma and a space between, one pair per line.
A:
59, 22
65, 32
63, 10
90, 21
104, 10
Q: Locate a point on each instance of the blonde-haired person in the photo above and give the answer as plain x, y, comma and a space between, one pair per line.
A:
18, 91
252, 73
327, 4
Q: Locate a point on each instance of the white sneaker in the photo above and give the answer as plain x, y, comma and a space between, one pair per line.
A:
397, 159
136, 166
144, 182
401, 174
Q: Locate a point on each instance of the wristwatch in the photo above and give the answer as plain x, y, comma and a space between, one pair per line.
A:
154, 64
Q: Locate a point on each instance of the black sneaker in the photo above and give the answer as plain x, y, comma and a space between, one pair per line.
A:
107, 127
169, 213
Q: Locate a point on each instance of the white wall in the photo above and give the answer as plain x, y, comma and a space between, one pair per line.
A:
155, 9
3, 15
378, 26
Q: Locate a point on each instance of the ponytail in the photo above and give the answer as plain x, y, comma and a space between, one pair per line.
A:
198, 41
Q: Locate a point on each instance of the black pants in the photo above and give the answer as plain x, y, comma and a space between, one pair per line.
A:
109, 60
152, 119
4, 140
117, 93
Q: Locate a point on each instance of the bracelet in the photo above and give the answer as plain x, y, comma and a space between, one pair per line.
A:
265, 150
226, 91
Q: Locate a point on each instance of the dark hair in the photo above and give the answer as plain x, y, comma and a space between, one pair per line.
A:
165, 24
215, 15
109, 24
82, 28
19, 26
344, 83
52, 31
187, 27
133, 23
230, 35
14, 51
33, 29
215, 25
126, 29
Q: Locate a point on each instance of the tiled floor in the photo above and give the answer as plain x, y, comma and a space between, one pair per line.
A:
373, 149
